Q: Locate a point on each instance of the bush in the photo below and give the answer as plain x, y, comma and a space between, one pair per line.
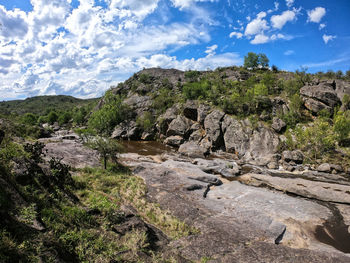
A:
294, 114
52, 117
192, 75
113, 112
196, 90
342, 125
29, 118
64, 118
146, 121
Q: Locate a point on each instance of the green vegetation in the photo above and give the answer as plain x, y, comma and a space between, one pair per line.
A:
112, 112
49, 216
254, 61
42, 105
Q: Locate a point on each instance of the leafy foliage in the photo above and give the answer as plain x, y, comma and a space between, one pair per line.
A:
113, 112
254, 61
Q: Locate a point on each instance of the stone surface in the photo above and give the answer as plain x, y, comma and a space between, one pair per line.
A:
236, 136
192, 149
315, 106
203, 111
323, 191
212, 126
325, 167
190, 110
72, 153
179, 126
278, 125
324, 93
174, 140
237, 222
127, 130
295, 156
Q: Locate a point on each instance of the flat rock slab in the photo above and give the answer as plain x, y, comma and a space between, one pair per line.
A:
237, 222
329, 192
72, 153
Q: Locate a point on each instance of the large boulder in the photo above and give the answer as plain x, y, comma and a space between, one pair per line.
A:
174, 140
203, 111
323, 93
190, 110
314, 105
236, 135
192, 149
295, 156
126, 130
139, 104
278, 125
212, 126
166, 118
262, 146
179, 126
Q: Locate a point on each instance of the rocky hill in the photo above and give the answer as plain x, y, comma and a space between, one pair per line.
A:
255, 115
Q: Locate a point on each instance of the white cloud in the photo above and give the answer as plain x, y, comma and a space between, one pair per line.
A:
316, 14
321, 26
260, 39
289, 3
211, 50
327, 38
257, 26
236, 34
289, 52
13, 24
278, 21
139, 8
181, 4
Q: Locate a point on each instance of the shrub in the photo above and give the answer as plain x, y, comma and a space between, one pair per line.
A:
113, 112
192, 75
146, 121
52, 117
196, 90
29, 118
342, 125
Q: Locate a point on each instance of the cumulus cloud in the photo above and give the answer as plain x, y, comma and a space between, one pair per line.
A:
289, 3
315, 15
278, 21
322, 26
236, 34
257, 25
211, 50
181, 4
327, 38
14, 24
260, 39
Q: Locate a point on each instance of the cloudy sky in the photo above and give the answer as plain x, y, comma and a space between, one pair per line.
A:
82, 47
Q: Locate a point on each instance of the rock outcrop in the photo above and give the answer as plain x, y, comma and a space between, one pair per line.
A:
319, 97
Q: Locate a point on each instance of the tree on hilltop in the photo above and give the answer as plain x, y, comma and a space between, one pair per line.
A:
254, 61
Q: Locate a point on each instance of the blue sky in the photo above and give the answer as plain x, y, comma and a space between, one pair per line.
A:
82, 47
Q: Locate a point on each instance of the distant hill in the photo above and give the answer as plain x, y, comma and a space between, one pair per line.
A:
42, 104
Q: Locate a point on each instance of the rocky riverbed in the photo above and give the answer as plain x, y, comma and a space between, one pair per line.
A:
245, 213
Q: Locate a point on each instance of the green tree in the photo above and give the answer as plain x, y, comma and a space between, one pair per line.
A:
107, 148
113, 112
254, 61
263, 61
29, 118
342, 125
52, 117
251, 60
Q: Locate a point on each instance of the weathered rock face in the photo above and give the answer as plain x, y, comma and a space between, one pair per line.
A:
167, 117
174, 140
179, 126
293, 156
322, 96
212, 126
236, 136
193, 150
127, 130
190, 110
263, 144
203, 111
278, 125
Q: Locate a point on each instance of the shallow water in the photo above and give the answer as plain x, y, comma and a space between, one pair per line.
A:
146, 147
